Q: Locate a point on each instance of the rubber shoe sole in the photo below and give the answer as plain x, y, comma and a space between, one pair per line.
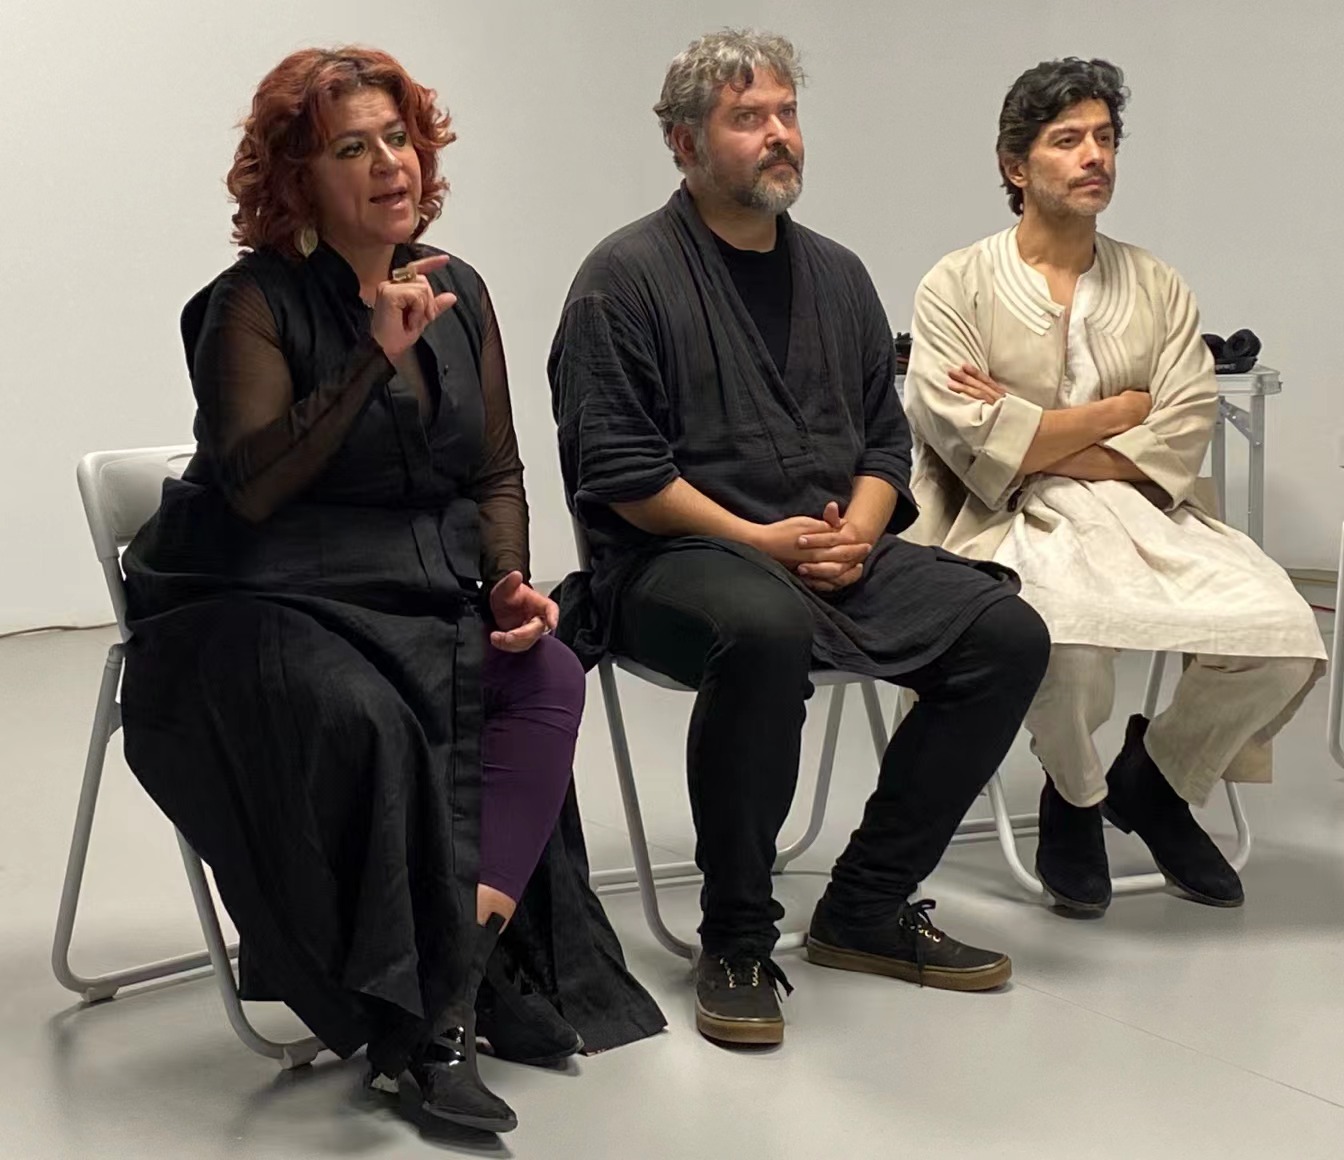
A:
747, 1031
1072, 905
984, 978
396, 1093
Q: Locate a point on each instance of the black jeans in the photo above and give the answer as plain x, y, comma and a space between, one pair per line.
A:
724, 626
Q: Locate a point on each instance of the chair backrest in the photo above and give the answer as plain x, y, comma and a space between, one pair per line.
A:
121, 490
581, 544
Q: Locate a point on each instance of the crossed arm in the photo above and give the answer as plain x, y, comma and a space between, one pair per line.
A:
1068, 441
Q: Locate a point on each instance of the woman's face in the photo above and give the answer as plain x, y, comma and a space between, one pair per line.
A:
366, 181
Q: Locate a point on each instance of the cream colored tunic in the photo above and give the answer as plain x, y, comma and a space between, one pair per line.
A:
1104, 565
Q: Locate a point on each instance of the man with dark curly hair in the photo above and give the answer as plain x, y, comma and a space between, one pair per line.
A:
1062, 401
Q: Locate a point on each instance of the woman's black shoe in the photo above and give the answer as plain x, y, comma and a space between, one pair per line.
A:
444, 1074
521, 1025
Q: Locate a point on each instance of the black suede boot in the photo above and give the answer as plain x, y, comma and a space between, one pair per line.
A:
1071, 855
1140, 800
444, 1071
520, 1024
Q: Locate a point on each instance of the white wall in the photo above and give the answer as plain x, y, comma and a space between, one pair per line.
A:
118, 126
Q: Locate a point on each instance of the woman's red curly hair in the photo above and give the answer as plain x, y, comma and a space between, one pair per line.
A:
287, 128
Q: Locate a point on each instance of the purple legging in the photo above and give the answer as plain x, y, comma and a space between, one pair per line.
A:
533, 702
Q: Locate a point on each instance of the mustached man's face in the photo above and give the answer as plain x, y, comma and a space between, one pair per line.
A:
750, 149
1070, 169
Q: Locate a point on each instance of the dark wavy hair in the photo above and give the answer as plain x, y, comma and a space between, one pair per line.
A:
1041, 94
287, 129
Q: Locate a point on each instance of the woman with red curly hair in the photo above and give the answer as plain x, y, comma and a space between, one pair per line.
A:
340, 686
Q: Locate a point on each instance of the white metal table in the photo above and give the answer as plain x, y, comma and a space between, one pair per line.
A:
1256, 386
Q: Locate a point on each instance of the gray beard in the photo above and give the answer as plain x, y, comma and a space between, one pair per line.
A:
773, 197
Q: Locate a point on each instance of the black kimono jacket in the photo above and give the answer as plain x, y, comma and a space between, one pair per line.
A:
658, 372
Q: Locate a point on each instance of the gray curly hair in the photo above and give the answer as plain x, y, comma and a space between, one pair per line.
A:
730, 57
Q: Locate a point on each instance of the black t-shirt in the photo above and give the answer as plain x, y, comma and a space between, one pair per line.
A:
765, 283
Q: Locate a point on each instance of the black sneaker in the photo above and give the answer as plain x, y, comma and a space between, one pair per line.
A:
1071, 855
903, 944
1140, 800
737, 998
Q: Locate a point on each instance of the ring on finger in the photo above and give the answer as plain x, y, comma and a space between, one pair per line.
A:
403, 274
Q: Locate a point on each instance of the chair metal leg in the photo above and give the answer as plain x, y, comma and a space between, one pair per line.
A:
106, 722
1336, 692
634, 821
983, 829
825, 767
290, 1055
1153, 690
872, 705
1242, 854
646, 875
1003, 826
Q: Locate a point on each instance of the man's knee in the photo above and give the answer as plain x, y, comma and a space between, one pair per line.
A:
692, 612
766, 622
1284, 678
1014, 641
1292, 674
1300, 674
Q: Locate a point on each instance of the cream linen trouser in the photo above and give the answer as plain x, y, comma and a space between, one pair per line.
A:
1219, 724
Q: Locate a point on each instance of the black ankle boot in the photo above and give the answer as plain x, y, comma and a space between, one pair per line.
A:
1071, 855
444, 1071
1141, 801
520, 1024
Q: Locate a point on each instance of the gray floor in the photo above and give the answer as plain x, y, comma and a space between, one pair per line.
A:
1166, 1030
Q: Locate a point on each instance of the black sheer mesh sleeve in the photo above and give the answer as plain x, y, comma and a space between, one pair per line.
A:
498, 486
264, 446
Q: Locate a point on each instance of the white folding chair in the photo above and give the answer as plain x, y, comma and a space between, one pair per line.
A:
120, 490
646, 875
1336, 693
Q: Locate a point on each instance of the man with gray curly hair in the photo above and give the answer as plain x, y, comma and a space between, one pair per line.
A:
734, 447
1064, 400
691, 90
